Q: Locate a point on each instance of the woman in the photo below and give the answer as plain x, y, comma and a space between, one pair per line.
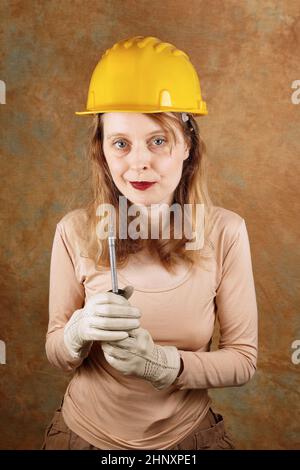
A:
142, 368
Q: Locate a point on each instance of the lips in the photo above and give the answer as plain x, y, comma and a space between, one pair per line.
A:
142, 185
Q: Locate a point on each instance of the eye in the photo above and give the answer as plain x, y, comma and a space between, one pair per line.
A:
124, 146
117, 142
161, 139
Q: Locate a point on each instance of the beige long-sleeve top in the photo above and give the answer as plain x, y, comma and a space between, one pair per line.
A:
114, 411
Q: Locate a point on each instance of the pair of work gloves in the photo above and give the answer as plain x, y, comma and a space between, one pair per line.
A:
110, 318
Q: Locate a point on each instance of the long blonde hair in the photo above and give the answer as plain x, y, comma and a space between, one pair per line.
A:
192, 189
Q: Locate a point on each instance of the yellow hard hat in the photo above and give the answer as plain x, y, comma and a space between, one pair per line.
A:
144, 75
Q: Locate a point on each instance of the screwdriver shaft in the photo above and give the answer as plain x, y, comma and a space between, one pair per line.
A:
112, 257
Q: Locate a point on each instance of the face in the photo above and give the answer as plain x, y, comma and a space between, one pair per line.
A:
137, 149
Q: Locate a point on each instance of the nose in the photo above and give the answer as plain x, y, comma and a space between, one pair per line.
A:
140, 159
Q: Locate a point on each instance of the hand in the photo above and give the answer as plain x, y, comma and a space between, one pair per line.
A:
138, 355
105, 317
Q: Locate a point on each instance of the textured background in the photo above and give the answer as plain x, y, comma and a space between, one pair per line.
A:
247, 56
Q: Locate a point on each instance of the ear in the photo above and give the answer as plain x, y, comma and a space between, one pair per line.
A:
186, 152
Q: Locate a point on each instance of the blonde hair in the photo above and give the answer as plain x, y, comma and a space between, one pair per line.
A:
192, 189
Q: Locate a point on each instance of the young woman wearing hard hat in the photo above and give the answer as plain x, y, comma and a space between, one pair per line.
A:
142, 368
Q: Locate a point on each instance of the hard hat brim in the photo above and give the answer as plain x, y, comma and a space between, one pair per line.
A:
144, 109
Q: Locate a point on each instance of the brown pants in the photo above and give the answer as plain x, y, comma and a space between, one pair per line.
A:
209, 435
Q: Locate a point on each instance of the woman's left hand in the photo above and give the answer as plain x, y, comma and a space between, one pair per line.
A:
138, 355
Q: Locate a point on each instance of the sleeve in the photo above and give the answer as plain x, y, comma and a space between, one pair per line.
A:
66, 294
234, 363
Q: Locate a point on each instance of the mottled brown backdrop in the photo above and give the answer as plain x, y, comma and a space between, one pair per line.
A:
247, 56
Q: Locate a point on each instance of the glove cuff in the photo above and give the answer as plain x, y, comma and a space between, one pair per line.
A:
77, 349
163, 369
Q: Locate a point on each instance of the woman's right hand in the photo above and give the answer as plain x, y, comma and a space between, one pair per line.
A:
105, 317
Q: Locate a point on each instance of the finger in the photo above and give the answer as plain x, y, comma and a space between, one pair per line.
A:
108, 323
127, 343
94, 334
135, 332
114, 311
108, 298
115, 352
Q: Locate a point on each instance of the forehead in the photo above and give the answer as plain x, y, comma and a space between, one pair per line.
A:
131, 123
126, 120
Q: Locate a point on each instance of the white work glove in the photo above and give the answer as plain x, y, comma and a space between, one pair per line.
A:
138, 355
105, 316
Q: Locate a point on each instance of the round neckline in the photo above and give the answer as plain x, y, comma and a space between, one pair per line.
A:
174, 286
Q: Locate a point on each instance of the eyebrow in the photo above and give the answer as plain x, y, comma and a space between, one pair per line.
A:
119, 134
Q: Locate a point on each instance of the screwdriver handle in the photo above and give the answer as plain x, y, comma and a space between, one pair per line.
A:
120, 292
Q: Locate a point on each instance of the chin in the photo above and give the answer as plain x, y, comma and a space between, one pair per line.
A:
143, 200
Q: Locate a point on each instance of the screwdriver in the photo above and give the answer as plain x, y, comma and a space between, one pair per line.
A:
112, 259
